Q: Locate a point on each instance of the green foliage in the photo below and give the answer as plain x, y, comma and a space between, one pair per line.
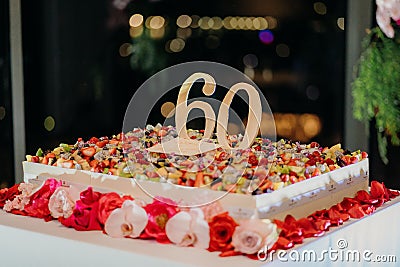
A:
376, 88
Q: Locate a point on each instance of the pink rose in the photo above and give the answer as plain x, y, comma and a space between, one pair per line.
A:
188, 228
127, 221
254, 234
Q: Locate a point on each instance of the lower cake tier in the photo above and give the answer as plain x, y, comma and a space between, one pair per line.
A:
299, 199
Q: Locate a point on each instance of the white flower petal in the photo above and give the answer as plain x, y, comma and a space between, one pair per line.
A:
201, 230
114, 223
135, 216
178, 228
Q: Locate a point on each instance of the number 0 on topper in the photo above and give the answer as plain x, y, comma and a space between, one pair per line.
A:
186, 146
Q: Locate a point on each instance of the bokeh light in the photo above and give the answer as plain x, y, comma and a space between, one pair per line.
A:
250, 60
195, 21
311, 124
266, 36
227, 23
125, 49
136, 20
340, 23
176, 45
272, 22
183, 21
267, 75
205, 23
217, 23
249, 72
168, 109
2, 112
312, 92
282, 50
135, 31
212, 42
183, 33
320, 8
49, 123
156, 22
157, 33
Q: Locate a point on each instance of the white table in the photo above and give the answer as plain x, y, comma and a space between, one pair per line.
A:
32, 242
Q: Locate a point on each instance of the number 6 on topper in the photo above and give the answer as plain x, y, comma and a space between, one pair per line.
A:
183, 109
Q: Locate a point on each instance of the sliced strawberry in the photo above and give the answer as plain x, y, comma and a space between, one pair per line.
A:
112, 171
93, 140
101, 144
364, 155
114, 142
35, 159
45, 160
314, 144
329, 161
106, 163
51, 155
94, 163
88, 151
316, 172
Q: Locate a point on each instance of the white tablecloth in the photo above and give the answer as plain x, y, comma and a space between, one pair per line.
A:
33, 242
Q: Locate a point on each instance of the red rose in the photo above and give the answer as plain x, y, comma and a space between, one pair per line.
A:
38, 205
8, 194
109, 202
222, 227
159, 213
89, 196
398, 22
85, 216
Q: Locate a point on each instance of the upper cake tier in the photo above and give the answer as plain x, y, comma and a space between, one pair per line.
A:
265, 167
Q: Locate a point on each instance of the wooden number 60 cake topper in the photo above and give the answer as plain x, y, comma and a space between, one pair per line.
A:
183, 145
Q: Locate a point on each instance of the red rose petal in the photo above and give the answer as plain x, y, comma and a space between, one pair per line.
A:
280, 224
289, 219
356, 212
368, 209
393, 193
322, 224
377, 190
344, 216
363, 197
308, 228
230, 253
282, 243
348, 202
